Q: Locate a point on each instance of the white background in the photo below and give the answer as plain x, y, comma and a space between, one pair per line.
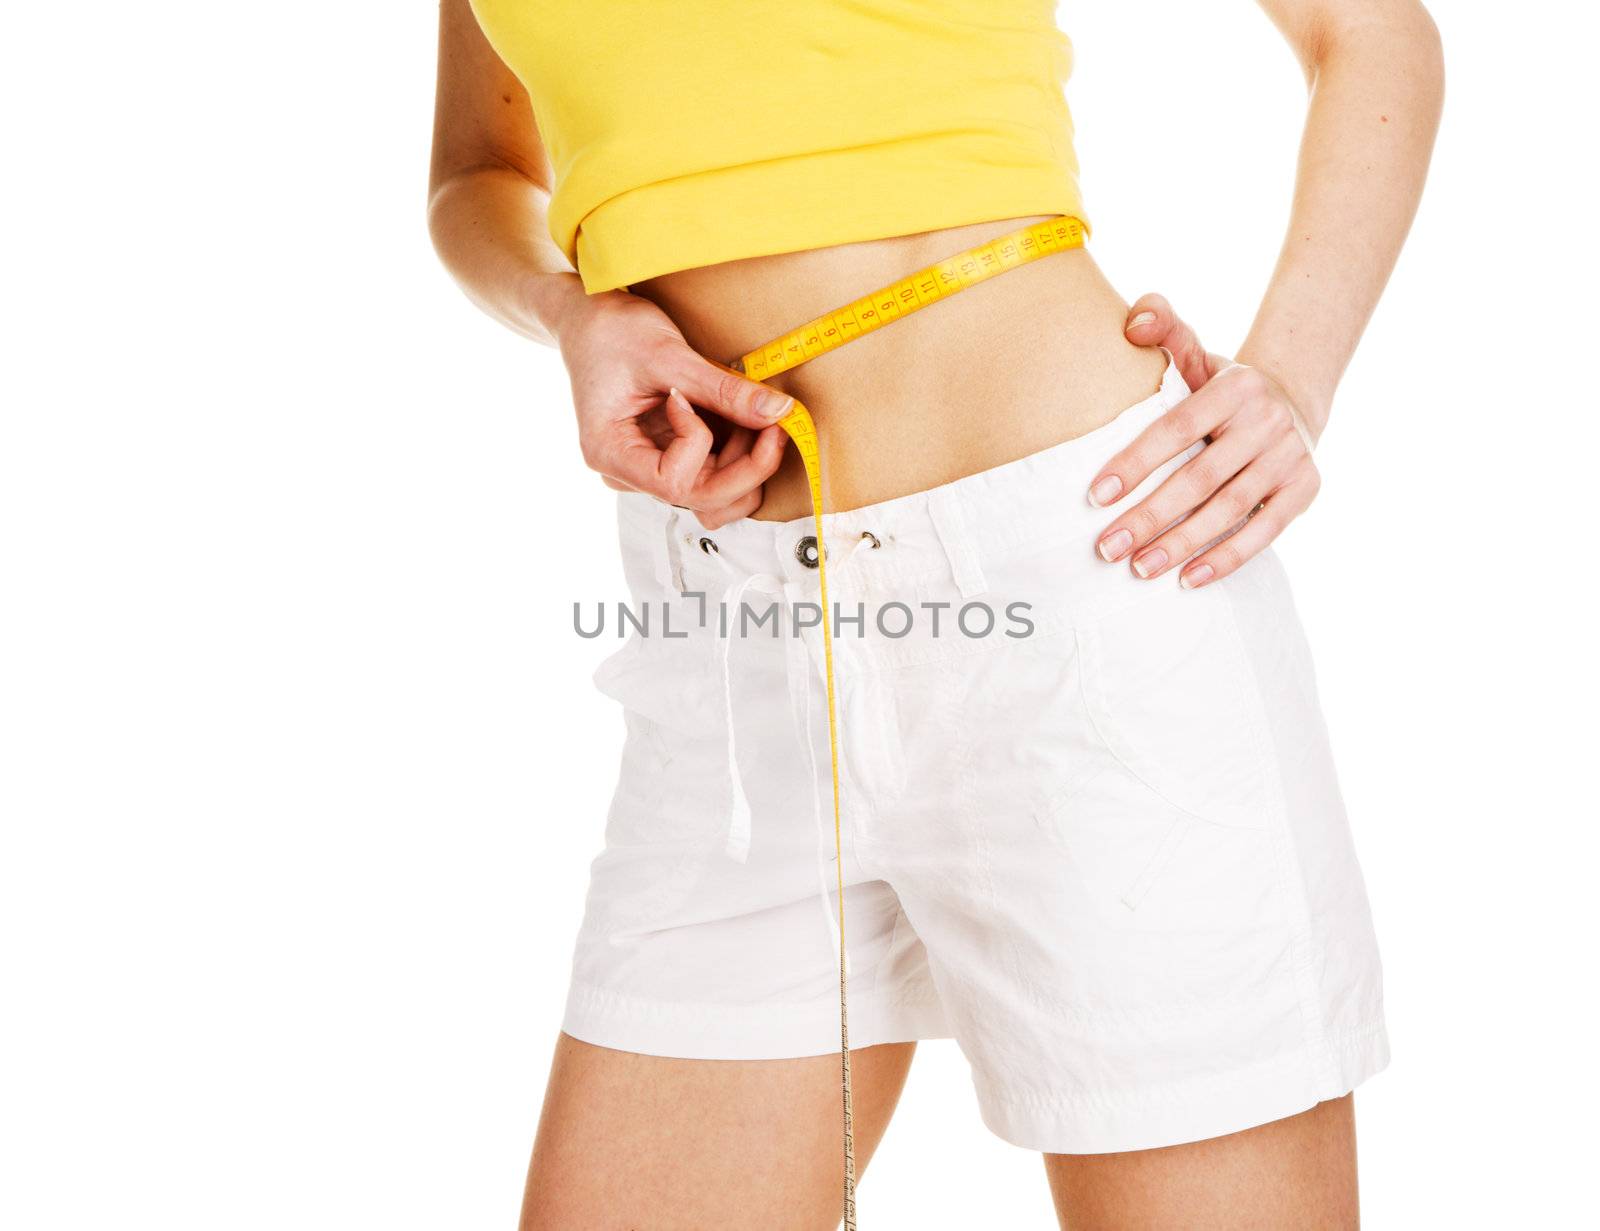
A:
301, 765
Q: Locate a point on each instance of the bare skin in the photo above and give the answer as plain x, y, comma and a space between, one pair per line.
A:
1295, 1174
1041, 355
658, 411
629, 1142
1036, 357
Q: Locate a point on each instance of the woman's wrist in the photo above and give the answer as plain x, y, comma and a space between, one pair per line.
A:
549, 299
1308, 400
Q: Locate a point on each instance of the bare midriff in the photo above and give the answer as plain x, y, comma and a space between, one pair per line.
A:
1004, 369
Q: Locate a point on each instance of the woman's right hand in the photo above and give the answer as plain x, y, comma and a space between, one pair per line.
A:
635, 386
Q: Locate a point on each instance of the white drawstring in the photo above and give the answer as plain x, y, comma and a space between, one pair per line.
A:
738, 844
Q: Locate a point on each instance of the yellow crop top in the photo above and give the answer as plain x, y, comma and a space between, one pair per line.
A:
687, 132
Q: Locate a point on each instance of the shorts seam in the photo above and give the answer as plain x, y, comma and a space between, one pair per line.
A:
646, 1006
1352, 1039
1319, 1053
758, 1030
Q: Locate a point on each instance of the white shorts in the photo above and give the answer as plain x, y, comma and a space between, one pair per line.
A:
1091, 824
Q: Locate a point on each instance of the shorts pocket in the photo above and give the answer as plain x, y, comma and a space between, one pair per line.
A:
671, 682
673, 783
1171, 695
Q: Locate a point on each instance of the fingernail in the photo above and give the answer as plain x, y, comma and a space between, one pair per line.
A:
1104, 491
1150, 562
1142, 318
1197, 576
776, 406
1115, 546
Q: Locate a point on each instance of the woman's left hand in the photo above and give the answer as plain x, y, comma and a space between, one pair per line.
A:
1253, 477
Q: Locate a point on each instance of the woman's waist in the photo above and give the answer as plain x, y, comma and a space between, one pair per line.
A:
1025, 360
968, 533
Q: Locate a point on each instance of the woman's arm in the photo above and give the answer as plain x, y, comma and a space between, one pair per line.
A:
489, 186
1376, 74
635, 380
1376, 77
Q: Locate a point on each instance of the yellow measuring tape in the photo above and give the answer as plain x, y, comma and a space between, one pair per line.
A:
829, 332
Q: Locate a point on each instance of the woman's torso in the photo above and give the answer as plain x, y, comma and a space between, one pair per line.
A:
1008, 367
685, 148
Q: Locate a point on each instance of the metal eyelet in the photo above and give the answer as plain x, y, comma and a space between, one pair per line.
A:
708, 546
806, 551
872, 538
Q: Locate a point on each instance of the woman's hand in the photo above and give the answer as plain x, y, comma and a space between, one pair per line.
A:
635, 384
1254, 475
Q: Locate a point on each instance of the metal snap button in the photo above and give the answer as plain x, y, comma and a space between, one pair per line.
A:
708, 546
806, 551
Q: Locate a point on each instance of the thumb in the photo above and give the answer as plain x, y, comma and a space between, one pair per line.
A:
1214, 364
1152, 322
725, 392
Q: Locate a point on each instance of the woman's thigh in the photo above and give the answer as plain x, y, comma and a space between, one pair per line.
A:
628, 1141
1294, 1174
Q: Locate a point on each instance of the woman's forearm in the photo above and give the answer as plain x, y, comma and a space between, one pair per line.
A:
1377, 83
488, 226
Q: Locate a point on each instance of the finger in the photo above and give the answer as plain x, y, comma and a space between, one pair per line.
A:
1280, 508
1186, 424
1182, 491
1221, 514
1195, 418
714, 519
732, 482
617, 485
685, 456
1153, 322
669, 473
727, 393
736, 446
657, 425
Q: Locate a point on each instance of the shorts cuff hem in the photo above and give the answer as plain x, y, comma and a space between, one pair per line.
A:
1081, 1123
704, 1030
